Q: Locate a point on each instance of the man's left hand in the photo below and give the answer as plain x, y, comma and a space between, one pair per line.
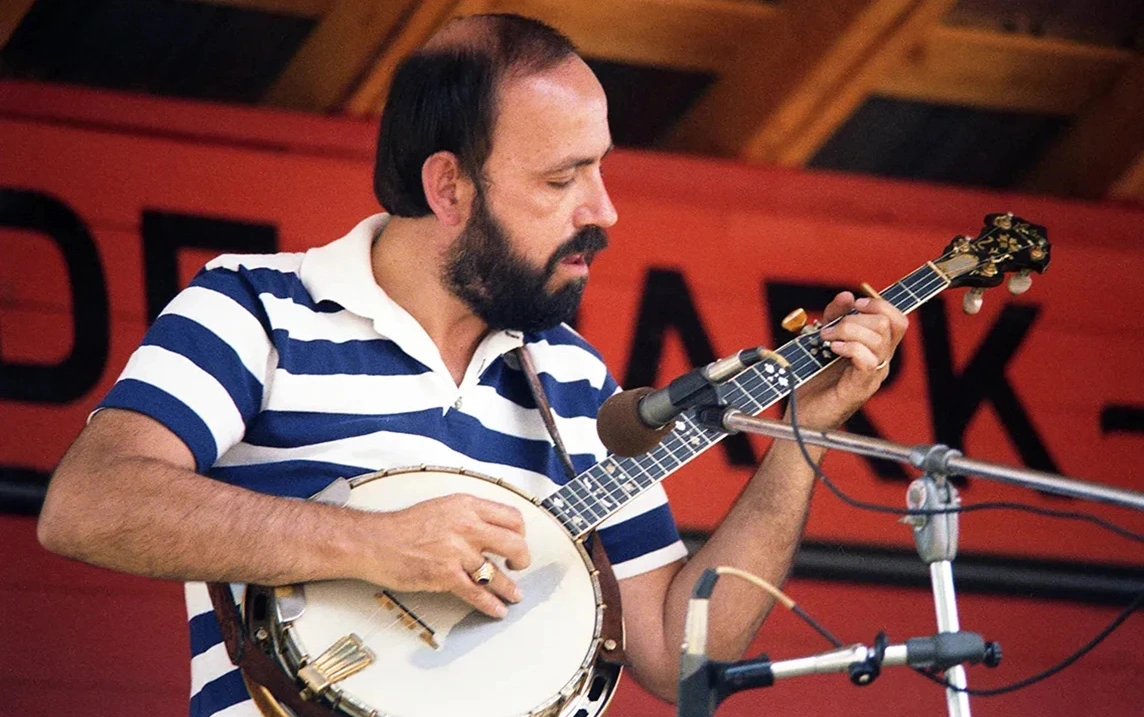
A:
868, 339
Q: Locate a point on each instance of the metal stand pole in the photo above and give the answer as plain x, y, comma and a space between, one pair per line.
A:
936, 540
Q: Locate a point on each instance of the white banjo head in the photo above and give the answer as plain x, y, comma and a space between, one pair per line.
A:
529, 662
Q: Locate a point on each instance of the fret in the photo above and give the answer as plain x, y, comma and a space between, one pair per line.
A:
584, 502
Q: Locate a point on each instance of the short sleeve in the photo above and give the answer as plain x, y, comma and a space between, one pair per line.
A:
202, 366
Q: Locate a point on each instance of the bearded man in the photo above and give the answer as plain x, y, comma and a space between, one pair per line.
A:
271, 376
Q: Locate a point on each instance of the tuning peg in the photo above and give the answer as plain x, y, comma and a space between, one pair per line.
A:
971, 304
794, 321
1020, 282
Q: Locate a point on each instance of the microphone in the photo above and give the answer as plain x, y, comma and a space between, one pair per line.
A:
633, 422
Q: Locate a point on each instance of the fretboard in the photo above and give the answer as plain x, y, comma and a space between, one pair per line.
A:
597, 493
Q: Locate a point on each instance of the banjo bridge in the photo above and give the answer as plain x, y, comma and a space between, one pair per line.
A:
347, 656
408, 618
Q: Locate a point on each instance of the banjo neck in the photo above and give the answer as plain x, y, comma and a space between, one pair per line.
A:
596, 494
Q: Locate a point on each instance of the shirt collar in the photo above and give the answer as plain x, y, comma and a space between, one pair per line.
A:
342, 272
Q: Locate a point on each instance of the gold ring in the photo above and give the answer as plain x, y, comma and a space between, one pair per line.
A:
882, 365
484, 574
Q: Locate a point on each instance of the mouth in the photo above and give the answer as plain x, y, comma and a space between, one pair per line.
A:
577, 263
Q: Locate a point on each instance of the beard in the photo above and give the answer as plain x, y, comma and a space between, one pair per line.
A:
501, 287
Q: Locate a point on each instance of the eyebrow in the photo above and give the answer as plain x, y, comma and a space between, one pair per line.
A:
576, 163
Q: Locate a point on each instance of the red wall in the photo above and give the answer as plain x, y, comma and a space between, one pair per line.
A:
77, 637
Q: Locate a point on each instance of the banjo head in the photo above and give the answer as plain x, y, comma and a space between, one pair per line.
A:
433, 654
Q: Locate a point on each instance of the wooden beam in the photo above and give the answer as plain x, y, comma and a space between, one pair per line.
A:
991, 70
1104, 146
296, 8
797, 83
322, 74
368, 96
684, 34
11, 15
1130, 186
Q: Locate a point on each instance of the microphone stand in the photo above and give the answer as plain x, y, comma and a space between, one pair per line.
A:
935, 535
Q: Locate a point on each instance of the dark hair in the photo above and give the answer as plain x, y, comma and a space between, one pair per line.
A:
444, 99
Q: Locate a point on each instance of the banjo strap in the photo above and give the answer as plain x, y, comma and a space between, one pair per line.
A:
612, 627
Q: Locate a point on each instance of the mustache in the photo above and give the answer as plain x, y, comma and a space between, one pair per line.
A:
589, 241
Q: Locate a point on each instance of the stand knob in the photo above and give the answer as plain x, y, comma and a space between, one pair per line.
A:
992, 656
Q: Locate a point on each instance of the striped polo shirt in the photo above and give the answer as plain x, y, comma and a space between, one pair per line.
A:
284, 372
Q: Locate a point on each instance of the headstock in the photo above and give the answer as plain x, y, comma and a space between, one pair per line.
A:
1006, 245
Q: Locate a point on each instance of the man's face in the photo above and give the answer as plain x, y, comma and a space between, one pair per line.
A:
504, 288
541, 208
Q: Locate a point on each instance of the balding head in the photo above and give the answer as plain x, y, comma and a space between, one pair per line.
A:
444, 98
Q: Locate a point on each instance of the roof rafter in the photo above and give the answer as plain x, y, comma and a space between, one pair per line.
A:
368, 96
685, 34
1004, 71
337, 51
11, 14
298, 8
799, 81
1104, 150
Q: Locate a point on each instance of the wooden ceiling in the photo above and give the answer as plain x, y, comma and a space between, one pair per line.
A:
786, 75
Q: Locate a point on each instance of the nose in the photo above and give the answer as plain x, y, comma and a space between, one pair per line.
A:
597, 208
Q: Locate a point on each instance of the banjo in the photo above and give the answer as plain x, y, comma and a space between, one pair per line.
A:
354, 648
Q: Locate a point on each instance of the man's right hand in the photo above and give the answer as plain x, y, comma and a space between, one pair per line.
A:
435, 545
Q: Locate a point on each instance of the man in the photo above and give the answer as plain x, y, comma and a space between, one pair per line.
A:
276, 374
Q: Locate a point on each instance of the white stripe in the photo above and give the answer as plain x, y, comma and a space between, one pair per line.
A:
242, 709
227, 319
305, 324
650, 561
287, 263
197, 389
209, 665
359, 394
567, 363
198, 599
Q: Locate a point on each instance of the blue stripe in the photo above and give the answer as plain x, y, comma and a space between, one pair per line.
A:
236, 287
219, 694
653, 530
245, 284
213, 355
205, 633
374, 357
571, 399
135, 395
455, 429
296, 479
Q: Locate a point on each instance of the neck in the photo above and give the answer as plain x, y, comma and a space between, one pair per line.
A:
408, 261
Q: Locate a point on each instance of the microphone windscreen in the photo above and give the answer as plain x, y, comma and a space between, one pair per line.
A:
620, 428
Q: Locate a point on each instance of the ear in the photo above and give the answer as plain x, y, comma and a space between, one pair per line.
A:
447, 190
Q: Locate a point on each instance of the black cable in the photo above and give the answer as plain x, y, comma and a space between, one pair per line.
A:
993, 505
1020, 684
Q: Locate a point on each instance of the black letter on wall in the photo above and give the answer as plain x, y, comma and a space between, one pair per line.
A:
666, 303
164, 233
956, 397
80, 371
